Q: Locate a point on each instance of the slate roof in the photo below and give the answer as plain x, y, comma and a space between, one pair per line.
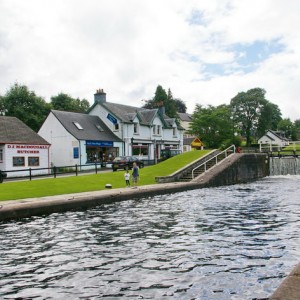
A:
13, 130
127, 113
92, 126
185, 117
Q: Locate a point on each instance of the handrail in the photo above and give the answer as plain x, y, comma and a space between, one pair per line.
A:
214, 157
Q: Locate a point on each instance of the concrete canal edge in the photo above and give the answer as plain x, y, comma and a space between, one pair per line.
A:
290, 287
237, 168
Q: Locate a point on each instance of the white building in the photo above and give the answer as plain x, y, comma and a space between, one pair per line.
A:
145, 132
272, 139
22, 149
79, 139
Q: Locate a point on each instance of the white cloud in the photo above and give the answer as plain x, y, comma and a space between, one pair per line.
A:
129, 47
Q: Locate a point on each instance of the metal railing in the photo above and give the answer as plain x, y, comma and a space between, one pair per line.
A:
225, 153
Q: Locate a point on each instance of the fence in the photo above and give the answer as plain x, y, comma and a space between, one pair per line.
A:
55, 171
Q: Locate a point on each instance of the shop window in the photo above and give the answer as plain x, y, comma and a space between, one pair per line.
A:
1, 155
18, 161
33, 161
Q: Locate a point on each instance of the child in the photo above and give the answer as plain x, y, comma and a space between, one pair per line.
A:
127, 178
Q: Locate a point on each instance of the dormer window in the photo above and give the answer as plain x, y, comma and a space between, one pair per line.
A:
135, 128
158, 129
78, 126
174, 131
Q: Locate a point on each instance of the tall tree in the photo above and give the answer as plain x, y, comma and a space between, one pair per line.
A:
66, 103
212, 125
162, 99
180, 105
25, 105
287, 127
269, 118
248, 107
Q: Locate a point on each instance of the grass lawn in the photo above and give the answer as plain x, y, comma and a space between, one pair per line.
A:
95, 182
292, 147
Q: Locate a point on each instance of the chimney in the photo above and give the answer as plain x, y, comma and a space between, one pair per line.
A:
100, 96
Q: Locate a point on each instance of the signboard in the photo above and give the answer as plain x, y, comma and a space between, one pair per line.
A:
100, 143
112, 119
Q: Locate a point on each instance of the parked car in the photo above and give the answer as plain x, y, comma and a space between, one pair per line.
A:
2, 176
167, 153
126, 162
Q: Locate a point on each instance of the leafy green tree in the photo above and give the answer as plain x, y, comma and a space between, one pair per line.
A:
162, 99
297, 130
269, 118
180, 106
212, 125
65, 102
287, 127
247, 109
25, 105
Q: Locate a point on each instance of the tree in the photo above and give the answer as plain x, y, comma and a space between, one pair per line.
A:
247, 109
162, 99
269, 118
287, 127
65, 102
180, 106
25, 105
212, 125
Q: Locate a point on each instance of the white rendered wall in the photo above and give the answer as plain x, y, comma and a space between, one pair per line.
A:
26, 151
62, 142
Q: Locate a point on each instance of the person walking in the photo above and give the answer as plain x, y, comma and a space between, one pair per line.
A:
135, 175
127, 178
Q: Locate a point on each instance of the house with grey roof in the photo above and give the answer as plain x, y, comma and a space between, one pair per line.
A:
273, 139
22, 149
78, 138
145, 132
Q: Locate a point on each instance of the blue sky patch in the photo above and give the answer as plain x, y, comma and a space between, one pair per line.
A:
247, 57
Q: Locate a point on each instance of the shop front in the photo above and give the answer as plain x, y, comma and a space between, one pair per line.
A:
101, 152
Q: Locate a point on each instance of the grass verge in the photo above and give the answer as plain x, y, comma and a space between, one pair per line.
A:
86, 183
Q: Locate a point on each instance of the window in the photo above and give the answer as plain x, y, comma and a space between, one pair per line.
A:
117, 127
158, 129
18, 161
33, 161
136, 128
99, 127
174, 131
1, 155
78, 125
154, 129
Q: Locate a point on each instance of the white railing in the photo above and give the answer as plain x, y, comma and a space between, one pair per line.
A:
227, 152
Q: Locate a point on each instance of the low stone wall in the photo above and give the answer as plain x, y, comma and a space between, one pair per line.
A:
186, 170
237, 168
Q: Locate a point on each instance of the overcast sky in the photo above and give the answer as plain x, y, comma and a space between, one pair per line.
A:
205, 51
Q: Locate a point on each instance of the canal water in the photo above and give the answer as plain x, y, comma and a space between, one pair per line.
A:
233, 242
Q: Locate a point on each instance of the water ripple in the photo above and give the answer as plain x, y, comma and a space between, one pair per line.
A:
234, 242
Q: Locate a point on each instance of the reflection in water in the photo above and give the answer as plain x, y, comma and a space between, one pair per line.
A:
234, 242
